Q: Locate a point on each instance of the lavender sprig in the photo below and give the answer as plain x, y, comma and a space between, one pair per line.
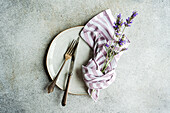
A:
129, 20
122, 41
121, 38
117, 25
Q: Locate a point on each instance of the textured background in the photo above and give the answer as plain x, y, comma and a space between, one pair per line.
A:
27, 28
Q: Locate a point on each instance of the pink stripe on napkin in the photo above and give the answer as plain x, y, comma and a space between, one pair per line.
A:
97, 32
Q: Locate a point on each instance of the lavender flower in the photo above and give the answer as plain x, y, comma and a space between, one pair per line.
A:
119, 15
120, 40
117, 34
117, 25
134, 14
107, 45
129, 20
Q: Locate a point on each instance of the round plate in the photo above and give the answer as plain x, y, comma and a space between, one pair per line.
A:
55, 58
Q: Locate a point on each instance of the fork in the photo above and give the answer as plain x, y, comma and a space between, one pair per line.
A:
67, 55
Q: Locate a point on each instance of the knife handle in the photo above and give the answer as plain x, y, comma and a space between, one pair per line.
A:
64, 100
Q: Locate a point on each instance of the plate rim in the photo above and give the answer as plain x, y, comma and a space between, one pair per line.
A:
48, 55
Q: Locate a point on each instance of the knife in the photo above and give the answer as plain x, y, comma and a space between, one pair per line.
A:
64, 100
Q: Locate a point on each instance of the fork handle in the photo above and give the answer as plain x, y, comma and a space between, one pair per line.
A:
64, 100
51, 86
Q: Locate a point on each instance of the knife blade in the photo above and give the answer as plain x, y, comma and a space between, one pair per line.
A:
73, 58
70, 73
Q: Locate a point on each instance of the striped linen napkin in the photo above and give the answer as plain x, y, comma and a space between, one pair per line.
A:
96, 33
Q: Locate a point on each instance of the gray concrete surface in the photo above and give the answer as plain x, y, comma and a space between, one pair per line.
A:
27, 28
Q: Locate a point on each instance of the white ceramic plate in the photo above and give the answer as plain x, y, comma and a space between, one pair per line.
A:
55, 58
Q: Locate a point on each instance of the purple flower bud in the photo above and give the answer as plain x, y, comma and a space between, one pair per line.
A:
115, 27
127, 20
124, 42
123, 36
119, 16
121, 24
134, 14
117, 34
128, 25
107, 45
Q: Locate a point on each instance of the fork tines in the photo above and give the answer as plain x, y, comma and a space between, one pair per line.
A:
71, 47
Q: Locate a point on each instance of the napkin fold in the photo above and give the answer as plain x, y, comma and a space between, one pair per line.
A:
96, 33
